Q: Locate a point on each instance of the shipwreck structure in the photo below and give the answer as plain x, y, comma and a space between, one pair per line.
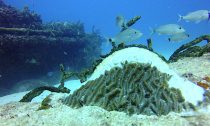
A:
31, 49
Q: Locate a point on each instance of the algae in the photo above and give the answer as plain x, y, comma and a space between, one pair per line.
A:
45, 103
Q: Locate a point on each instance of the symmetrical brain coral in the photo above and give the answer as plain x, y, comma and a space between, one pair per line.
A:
134, 88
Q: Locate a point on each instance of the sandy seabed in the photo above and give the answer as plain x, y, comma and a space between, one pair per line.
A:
198, 66
25, 114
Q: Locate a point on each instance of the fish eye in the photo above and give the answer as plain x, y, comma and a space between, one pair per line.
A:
180, 27
135, 32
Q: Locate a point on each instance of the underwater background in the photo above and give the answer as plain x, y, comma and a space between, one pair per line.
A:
100, 16
105, 63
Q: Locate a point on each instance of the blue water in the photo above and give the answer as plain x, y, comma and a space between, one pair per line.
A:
102, 13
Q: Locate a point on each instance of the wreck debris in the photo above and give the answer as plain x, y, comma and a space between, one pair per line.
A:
37, 91
38, 48
190, 50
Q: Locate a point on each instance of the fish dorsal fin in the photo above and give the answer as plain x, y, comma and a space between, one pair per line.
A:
121, 22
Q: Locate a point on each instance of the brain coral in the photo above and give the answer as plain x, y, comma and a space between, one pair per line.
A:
136, 80
191, 92
134, 88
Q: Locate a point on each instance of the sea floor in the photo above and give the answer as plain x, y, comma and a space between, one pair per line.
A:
196, 68
14, 113
26, 114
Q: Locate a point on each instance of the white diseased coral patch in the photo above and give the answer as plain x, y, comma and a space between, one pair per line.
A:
191, 92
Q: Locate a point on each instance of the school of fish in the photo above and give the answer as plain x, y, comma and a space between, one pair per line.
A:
175, 32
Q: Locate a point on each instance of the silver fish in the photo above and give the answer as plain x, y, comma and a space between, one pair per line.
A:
32, 61
168, 29
196, 16
128, 35
178, 37
50, 74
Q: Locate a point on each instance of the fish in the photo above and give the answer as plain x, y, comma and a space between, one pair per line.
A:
178, 37
65, 53
121, 22
128, 35
32, 61
195, 16
168, 29
50, 74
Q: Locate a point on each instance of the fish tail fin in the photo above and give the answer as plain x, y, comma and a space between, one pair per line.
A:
110, 40
169, 39
180, 17
120, 21
152, 31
